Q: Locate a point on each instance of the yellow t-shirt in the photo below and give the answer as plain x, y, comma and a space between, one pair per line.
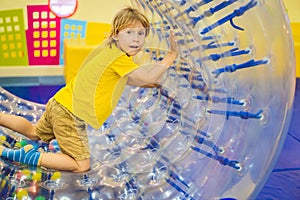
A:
96, 89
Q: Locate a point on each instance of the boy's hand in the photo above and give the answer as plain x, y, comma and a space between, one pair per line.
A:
173, 43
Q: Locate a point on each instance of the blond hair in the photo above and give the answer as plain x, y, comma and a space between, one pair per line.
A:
126, 17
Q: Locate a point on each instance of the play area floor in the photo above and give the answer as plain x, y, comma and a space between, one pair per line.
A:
284, 182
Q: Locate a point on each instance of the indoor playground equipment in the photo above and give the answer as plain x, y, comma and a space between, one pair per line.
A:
214, 127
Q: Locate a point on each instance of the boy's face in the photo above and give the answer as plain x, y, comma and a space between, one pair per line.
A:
132, 38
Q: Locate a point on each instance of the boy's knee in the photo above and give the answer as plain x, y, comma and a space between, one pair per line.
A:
31, 133
83, 168
83, 165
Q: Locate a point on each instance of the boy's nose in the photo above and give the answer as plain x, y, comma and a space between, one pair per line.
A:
136, 37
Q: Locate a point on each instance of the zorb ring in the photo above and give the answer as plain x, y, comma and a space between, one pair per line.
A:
215, 126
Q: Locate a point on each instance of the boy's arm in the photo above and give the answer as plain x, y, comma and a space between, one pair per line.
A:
145, 76
143, 85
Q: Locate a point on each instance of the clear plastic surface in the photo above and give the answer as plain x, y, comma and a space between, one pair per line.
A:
214, 127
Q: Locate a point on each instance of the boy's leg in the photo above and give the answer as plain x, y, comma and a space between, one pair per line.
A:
18, 124
60, 161
57, 161
58, 123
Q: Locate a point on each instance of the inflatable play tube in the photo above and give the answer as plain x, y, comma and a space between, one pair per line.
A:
214, 127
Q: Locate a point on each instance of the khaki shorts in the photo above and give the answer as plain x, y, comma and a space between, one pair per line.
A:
70, 132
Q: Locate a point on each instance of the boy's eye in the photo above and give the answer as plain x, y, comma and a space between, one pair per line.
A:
141, 33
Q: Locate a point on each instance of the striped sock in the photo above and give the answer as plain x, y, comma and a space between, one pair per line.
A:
27, 155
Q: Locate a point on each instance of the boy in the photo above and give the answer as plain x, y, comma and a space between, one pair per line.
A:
90, 97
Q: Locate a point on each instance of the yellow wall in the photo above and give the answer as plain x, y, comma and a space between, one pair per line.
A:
104, 10
99, 10
89, 10
292, 7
